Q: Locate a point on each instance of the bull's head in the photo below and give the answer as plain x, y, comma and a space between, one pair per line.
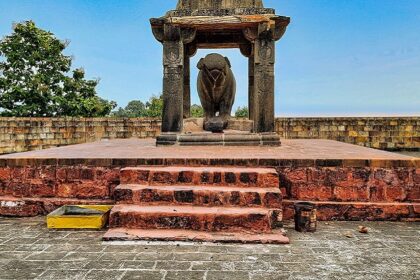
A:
215, 68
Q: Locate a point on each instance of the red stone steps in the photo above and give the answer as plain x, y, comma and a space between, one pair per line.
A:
124, 234
216, 176
194, 218
220, 204
198, 195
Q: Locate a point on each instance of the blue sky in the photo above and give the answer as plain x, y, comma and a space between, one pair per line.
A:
337, 58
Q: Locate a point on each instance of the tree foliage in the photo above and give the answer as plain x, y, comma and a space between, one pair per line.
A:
35, 79
242, 112
134, 109
137, 109
197, 111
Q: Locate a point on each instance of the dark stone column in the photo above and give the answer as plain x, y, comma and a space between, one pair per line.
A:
261, 72
174, 40
263, 88
173, 80
187, 87
251, 100
189, 51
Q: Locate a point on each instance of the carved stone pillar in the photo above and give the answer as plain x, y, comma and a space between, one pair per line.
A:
261, 72
263, 88
173, 80
174, 40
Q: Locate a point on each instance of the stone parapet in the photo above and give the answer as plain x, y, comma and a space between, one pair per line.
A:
26, 134
385, 133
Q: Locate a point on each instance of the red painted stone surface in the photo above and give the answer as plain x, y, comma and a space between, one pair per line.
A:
198, 195
217, 176
159, 202
356, 211
350, 184
325, 171
193, 218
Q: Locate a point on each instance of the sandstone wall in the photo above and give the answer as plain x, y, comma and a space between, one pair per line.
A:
23, 134
386, 133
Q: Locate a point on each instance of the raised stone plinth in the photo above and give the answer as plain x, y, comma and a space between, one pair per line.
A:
347, 182
219, 139
194, 125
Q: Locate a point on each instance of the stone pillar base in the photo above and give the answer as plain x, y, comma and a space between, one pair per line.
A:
219, 139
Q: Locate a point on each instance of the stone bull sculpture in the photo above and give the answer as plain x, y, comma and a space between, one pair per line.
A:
216, 88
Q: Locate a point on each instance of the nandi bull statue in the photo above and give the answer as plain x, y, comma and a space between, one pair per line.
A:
216, 88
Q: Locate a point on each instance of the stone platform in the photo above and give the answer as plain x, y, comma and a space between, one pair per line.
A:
347, 182
219, 139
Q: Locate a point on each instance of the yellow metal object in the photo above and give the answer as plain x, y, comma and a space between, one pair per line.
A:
79, 217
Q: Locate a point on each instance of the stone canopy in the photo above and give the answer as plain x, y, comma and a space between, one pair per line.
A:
219, 7
222, 4
215, 24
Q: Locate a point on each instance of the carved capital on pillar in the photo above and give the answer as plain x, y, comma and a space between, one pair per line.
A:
171, 33
188, 35
250, 33
246, 49
190, 49
279, 28
157, 28
262, 31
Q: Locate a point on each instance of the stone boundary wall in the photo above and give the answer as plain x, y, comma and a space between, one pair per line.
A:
385, 133
25, 134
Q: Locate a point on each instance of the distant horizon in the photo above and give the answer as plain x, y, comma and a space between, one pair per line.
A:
337, 58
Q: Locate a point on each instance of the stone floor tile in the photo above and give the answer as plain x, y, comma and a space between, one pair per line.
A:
252, 266
227, 275
138, 265
157, 256
185, 275
213, 265
63, 274
143, 275
172, 265
41, 256
279, 275
192, 256
117, 256
32, 265
81, 256
227, 257
20, 274
104, 274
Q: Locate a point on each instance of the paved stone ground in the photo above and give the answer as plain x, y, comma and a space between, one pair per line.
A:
390, 251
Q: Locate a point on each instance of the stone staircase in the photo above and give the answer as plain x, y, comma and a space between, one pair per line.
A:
217, 204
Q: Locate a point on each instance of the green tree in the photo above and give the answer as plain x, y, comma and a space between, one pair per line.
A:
35, 80
134, 109
154, 107
197, 111
242, 112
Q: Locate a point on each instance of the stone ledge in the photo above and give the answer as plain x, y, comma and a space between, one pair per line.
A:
219, 139
29, 207
359, 211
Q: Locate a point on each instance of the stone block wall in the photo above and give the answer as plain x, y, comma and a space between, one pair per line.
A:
385, 133
25, 134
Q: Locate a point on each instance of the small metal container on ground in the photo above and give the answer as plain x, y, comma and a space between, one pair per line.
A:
305, 217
